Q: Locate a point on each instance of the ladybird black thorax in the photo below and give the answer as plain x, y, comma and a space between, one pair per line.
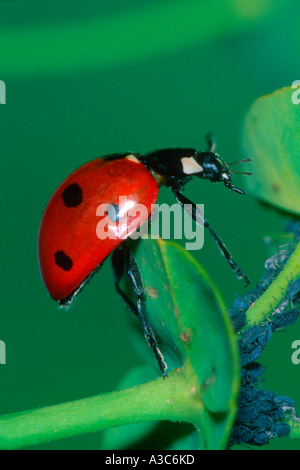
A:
214, 168
173, 163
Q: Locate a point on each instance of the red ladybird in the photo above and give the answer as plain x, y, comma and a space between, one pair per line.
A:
70, 251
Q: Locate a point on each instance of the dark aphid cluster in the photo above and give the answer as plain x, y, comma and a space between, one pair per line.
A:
252, 343
261, 413
261, 417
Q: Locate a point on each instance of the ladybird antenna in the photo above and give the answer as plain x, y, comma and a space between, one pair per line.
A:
245, 160
240, 173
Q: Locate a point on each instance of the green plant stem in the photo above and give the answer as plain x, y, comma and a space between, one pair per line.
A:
275, 293
171, 399
266, 305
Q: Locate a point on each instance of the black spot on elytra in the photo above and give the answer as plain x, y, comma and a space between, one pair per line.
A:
72, 195
63, 261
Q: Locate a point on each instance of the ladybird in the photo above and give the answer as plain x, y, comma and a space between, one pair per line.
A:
69, 250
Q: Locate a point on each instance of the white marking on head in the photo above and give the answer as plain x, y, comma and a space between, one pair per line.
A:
190, 166
225, 176
132, 158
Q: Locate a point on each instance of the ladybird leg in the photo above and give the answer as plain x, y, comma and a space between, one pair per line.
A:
118, 263
198, 217
135, 278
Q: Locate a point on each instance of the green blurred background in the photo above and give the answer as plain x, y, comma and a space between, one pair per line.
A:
85, 79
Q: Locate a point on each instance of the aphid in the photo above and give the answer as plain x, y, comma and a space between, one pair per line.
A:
294, 291
285, 319
252, 372
241, 434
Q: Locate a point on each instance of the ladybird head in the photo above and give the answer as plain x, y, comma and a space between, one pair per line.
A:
216, 170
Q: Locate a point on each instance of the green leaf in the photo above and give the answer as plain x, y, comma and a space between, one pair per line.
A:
187, 312
271, 137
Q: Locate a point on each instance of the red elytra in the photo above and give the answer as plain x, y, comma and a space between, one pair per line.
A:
69, 249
